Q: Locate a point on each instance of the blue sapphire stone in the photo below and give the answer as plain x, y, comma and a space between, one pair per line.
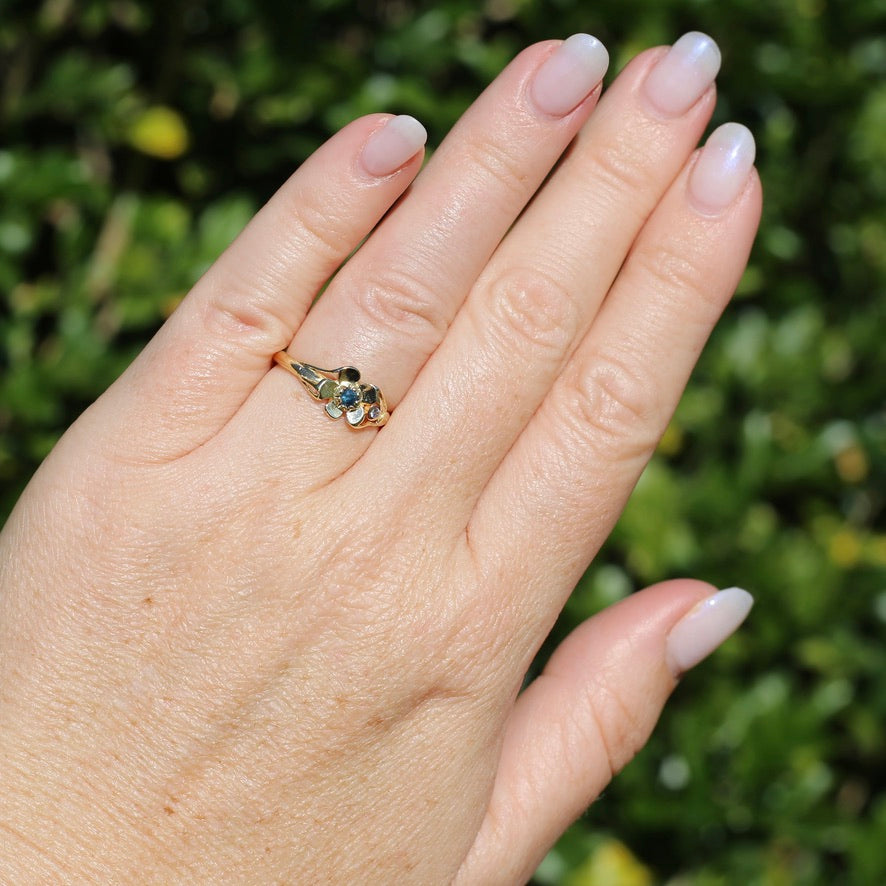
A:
349, 398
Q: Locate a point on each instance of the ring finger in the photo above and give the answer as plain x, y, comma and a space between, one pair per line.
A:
391, 305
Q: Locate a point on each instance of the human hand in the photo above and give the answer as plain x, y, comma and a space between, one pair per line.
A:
241, 642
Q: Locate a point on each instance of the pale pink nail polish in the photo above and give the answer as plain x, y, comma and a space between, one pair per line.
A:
705, 627
569, 75
391, 146
682, 76
722, 169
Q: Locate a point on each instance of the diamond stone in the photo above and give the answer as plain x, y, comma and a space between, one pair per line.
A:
374, 413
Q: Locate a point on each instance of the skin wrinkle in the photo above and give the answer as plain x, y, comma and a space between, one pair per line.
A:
615, 413
21, 837
529, 310
396, 302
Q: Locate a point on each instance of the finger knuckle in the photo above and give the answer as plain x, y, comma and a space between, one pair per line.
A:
531, 311
612, 407
673, 267
237, 312
400, 302
499, 163
307, 222
616, 724
618, 166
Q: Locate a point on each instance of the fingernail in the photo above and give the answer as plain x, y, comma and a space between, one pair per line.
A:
722, 168
391, 146
705, 627
568, 76
682, 76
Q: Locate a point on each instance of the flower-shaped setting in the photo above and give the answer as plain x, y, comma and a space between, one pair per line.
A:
360, 404
344, 393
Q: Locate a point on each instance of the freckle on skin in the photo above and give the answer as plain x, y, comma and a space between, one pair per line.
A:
148, 601
169, 810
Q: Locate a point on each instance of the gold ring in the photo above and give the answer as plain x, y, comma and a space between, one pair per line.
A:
344, 393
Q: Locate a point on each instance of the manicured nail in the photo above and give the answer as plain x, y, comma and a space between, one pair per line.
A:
705, 627
722, 168
570, 74
681, 77
391, 146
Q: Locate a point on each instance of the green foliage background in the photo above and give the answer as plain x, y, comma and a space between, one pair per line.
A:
137, 138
